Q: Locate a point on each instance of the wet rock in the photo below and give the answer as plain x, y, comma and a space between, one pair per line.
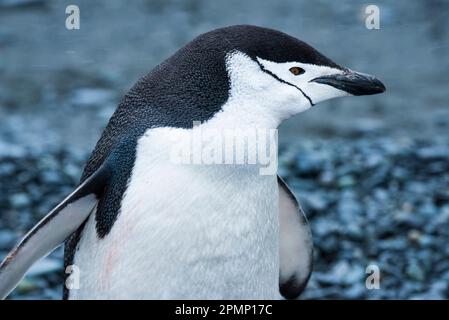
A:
323, 226
7, 239
52, 294
415, 271
433, 153
438, 291
346, 181
26, 286
355, 291
342, 273
327, 177
397, 244
51, 177
309, 164
19, 200
441, 197
45, 266
442, 217
7, 169
92, 96
314, 201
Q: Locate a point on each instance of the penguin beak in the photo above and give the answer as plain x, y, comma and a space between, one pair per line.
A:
357, 84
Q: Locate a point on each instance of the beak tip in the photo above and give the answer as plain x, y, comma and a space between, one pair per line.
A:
367, 85
379, 87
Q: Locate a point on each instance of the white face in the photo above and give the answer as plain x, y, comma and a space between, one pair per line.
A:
273, 89
317, 92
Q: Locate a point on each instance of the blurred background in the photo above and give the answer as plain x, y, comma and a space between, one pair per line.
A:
372, 173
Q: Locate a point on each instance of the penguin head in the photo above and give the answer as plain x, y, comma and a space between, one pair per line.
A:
245, 72
283, 75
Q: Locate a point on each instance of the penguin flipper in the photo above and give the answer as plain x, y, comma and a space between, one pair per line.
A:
295, 244
52, 230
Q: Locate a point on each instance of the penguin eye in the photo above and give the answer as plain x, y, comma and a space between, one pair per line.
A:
297, 70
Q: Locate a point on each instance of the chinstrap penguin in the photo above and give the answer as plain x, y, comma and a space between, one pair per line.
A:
140, 227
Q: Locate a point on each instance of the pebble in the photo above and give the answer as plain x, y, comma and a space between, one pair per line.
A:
415, 271
92, 96
7, 239
45, 266
19, 200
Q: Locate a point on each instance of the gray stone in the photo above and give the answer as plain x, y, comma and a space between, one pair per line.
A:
45, 266
20, 200
7, 239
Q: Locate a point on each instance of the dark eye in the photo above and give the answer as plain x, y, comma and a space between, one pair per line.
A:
297, 70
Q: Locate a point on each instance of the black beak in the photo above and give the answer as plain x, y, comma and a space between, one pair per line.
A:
357, 84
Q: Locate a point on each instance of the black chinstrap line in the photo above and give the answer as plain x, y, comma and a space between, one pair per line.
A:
286, 82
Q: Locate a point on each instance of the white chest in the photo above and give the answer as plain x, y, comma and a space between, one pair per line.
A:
185, 231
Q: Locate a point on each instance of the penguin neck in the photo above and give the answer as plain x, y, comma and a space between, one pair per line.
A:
243, 113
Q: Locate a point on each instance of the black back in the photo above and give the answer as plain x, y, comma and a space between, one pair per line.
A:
191, 85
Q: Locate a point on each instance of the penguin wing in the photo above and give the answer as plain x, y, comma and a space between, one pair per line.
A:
295, 244
52, 230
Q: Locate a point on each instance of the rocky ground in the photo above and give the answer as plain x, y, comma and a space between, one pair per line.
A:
381, 202
377, 201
